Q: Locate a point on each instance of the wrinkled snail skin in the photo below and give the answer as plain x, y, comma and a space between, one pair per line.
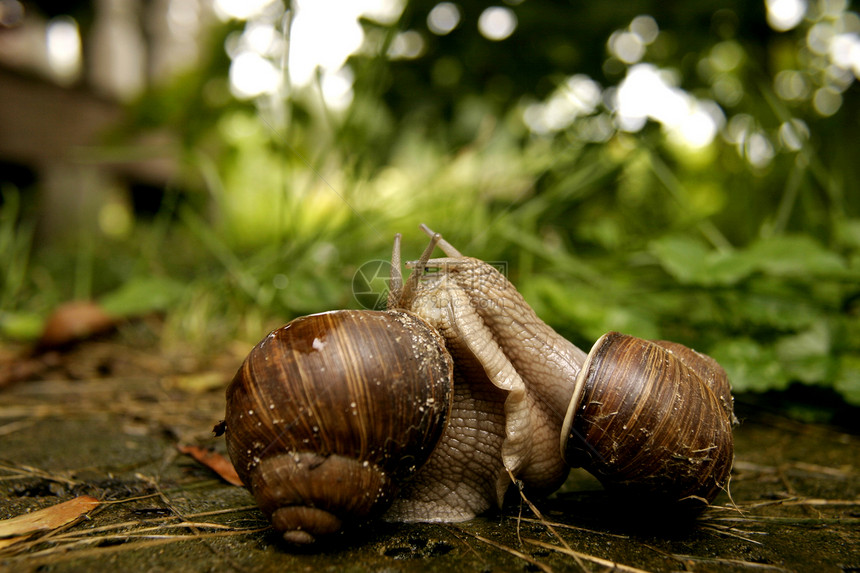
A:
487, 323
329, 414
464, 476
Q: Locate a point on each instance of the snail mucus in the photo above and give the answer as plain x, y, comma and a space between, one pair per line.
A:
428, 410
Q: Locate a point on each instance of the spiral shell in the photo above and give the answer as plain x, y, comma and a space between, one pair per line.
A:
642, 420
330, 414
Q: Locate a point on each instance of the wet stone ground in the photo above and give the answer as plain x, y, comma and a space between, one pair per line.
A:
110, 429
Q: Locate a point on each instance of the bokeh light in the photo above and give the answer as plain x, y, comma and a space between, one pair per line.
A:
793, 134
252, 75
758, 150
645, 27
627, 47
337, 87
826, 101
646, 93
443, 18
497, 23
817, 79
650, 93
63, 40
750, 141
240, 9
322, 35
783, 15
845, 52
791, 85
406, 45
578, 96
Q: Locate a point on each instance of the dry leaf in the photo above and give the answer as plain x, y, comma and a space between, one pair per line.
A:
214, 461
74, 321
199, 382
20, 527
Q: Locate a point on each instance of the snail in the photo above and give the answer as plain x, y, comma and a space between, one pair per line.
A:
674, 441
510, 398
329, 414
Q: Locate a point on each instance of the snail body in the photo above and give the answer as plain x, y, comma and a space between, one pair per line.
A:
453, 392
677, 397
523, 373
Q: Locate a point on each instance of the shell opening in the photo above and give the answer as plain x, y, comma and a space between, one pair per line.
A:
308, 496
304, 525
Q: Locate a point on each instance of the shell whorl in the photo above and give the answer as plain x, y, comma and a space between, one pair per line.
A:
330, 413
643, 421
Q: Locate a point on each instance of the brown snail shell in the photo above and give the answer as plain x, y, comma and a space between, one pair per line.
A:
710, 372
643, 420
329, 414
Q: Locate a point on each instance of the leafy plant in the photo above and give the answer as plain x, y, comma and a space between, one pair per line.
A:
742, 240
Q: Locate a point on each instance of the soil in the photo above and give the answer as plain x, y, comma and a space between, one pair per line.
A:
105, 419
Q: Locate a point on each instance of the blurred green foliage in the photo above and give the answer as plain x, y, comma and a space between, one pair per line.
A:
747, 248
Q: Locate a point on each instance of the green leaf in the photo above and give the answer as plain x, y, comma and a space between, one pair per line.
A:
21, 325
630, 321
806, 356
727, 268
143, 295
579, 307
786, 311
794, 256
681, 257
750, 366
690, 262
847, 380
848, 232
586, 309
